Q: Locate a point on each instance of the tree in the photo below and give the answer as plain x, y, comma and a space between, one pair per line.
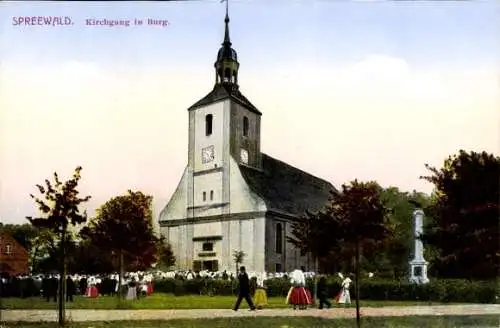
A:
465, 215
238, 257
391, 260
59, 206
312, 234
354, 223
123, 226
360, 218
166, 258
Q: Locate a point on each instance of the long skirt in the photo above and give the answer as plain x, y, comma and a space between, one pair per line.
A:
299, 296
150, 288
344, 297
131, 293
92, 292
260, 298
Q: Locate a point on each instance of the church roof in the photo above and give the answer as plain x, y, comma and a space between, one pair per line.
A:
224, 91
287, 189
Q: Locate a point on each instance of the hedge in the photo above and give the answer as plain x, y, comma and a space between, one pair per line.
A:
370, 289
444, 291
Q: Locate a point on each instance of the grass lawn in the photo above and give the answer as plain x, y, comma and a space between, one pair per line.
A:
166, 301
290, 322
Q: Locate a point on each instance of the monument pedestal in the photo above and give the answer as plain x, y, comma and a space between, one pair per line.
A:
418, 266
418, 272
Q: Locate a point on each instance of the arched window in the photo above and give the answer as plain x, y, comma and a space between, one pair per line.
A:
204, 196
279, 238
227, 74
245, 126
208, 124
211, 195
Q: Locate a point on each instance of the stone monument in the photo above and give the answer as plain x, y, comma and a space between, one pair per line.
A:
418, 266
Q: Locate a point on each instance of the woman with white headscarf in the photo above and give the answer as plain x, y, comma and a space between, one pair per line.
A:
298, 295
92, 291
260, 297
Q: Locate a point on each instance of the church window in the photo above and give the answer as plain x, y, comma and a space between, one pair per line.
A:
208, 247
227, 75
245, 126
279, 238
7, 249
208, 124
211, 195
204, 196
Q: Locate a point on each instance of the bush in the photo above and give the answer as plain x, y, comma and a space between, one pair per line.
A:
450, 290
457, 290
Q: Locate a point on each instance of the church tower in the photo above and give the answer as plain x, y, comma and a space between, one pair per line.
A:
223, 125
232, 197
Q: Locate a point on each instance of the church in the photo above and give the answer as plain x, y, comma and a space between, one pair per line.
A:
232, 197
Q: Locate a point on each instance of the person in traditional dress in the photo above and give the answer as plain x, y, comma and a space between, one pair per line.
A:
298, 295
243, 290
149, 282
92, 291
260, 297
132, 290
344, 297
144, 286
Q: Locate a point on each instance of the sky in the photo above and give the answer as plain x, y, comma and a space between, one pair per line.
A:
371, 90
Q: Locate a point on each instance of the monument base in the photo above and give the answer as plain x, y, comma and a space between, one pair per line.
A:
418, 272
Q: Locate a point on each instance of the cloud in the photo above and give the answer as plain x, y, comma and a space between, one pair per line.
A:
376, 119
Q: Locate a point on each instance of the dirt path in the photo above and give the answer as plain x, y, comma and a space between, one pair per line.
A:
109, 315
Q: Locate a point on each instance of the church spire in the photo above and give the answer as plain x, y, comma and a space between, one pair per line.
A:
226, 21
226, 66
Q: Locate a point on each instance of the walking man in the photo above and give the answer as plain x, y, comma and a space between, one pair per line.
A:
243, 290
323, 293
70, 289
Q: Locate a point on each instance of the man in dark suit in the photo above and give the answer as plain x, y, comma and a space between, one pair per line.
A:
243, 290
70, 289
83, 285
323, 293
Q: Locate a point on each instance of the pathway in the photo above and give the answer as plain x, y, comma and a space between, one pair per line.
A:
109, 315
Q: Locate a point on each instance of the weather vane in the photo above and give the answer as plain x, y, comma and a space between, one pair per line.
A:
227, 5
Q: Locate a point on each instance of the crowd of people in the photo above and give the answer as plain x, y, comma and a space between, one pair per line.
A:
140, 284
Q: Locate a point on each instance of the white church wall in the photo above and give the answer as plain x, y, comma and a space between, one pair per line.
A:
176, 207
207, 229
234, 236
242, 198
208, 184
259, 242
182, 251
172, 235
216, 139
247, 244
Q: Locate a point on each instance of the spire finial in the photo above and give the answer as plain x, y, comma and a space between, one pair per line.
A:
226, 21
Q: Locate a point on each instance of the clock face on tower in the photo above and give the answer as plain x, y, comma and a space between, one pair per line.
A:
207, 154
244, 156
